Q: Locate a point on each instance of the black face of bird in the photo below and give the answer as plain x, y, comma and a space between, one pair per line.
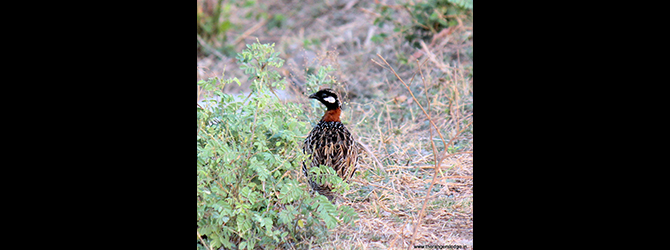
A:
327, 97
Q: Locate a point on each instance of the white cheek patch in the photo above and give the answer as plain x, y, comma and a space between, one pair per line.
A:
329, 99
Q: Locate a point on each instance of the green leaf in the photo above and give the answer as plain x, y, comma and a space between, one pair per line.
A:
268, 225
434, 16
215, 243
225, 26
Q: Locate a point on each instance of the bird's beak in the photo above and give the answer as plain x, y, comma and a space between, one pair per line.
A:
313, 96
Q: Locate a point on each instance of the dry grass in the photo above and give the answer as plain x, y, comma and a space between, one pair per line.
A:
406, 199
399, 197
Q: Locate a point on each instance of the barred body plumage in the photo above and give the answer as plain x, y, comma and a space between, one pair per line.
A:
330, 144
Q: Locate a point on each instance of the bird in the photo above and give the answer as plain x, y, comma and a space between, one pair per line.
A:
331, 144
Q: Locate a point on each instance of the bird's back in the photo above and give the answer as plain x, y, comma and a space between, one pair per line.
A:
332, 145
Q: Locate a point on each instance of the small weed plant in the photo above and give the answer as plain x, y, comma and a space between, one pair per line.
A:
250, 191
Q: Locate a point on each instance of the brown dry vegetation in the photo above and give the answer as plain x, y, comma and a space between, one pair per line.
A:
383, 113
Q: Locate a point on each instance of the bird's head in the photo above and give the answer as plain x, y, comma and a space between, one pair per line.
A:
327, 97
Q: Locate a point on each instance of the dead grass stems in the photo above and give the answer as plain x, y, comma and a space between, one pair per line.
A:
438, 162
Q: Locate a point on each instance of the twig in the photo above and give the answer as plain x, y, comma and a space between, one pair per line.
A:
367, 150
369, 12
430, 119
437, 164
251, 30
432, 58
452, 139
203, 242
210, 49
430, 129
350, 4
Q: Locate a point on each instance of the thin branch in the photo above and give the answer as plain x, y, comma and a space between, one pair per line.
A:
251, 30
430, 119
367, 150
430, 129
210, 49
437, 164
203, 242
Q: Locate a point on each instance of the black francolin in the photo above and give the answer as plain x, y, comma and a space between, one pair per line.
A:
330, 144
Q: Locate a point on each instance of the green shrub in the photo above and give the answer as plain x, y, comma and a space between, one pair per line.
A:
249, 162
429, 17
